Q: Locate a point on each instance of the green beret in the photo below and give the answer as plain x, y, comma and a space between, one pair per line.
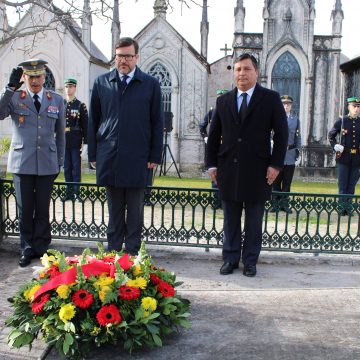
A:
34, 67
286, 99
221, 91
70, 81
353, 99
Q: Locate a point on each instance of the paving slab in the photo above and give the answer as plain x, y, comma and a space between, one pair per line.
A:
299, 306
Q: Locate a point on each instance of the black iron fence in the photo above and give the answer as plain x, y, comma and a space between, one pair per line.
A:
193, 217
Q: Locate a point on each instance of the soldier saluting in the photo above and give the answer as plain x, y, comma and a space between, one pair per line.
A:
347, 148
75, 134
36, 153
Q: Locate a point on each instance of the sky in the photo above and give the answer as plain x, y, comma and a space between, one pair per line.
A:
134, 15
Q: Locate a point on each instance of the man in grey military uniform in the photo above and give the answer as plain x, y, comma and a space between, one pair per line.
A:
284, 179
36, 153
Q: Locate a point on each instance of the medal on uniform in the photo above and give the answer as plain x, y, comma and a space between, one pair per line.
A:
23, 94
48, 95
21, 119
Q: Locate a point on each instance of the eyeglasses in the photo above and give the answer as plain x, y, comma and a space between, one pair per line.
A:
126, 57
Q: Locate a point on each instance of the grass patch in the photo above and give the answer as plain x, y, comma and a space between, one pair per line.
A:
204, 183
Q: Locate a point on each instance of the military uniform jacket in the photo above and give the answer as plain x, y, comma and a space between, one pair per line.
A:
203, 126
241, 151
294, 142
38, 139
350, 139
76, 117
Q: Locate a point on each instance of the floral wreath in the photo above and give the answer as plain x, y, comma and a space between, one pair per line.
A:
97, 298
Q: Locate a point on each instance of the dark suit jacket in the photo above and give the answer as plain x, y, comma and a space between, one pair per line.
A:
125, 128
242, 152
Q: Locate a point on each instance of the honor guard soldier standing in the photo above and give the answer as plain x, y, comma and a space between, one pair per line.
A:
284, 179
76, 116
36, 153
347, 148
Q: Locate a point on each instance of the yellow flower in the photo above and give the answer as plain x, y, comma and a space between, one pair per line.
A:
103, 291
139, 282
137, 270
29, 293
67, 312
63, 291
149, 305
46, 260
96, 330
103, 281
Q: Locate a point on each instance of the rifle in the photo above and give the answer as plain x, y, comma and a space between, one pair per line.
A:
342, 92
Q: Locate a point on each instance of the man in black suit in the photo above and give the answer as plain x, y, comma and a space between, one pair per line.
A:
240, 160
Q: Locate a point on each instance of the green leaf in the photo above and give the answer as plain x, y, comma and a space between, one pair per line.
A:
184, 323
157, 340
69, 340
152, 328
21, 340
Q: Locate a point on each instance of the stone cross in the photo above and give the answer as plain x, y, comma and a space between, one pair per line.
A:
226, 49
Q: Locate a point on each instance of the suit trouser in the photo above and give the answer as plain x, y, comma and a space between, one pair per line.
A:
72, 169
348, 177
233, 246
33, 194
284, 179
126, 211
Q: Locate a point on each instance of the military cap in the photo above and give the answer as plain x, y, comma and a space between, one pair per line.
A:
353, 99
286, 99
34, 67
70, 81
221, 91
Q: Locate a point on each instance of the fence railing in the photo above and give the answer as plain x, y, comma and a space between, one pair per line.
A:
193, 217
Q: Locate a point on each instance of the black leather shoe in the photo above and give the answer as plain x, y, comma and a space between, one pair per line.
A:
249, 270
24, 260
228, 268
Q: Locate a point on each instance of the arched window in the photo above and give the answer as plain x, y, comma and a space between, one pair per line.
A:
49, 80
160, 72
286, 78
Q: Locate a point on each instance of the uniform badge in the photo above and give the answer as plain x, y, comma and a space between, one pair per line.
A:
53, 109
21, 119
48, 95
23, 94
344, 131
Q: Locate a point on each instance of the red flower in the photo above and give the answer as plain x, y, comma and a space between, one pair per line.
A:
53, 271
82, 299
108, 314
155, 279
39, 303
124, 262
166, 289
109, 259
128, 292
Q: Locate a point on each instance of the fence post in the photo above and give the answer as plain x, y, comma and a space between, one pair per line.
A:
2, 204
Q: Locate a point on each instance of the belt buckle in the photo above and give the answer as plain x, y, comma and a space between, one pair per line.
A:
67, 129
353, 151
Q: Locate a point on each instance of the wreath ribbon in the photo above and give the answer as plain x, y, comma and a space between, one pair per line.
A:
94, 268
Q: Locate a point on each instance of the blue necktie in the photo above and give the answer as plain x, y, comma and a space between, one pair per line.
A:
124, 80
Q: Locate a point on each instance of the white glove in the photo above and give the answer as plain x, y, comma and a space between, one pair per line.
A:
84, 151
297, 162
205, 139
338, 148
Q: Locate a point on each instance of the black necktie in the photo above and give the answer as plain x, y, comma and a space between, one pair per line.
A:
243, 107
124, 80
37, 102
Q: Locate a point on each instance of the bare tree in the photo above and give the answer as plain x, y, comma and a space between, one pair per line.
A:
41, 16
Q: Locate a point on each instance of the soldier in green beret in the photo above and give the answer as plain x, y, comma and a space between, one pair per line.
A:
344, 138
76, 116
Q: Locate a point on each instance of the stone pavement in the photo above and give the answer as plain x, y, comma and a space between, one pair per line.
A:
299, 306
